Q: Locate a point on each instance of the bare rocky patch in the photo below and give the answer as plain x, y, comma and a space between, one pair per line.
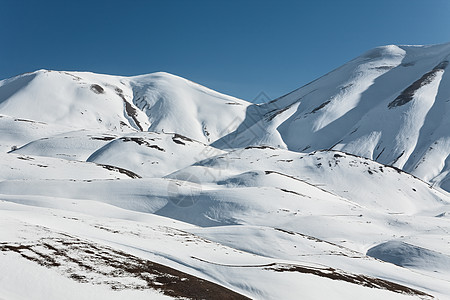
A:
97, 89
86, 262
129, 109
320, 106
180, 139
103, 138
408, 94
120, 170
141, 141
359, 279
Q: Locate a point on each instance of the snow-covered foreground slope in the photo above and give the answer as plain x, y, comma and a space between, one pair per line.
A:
392, 105
146, 187
125, 256
304, 233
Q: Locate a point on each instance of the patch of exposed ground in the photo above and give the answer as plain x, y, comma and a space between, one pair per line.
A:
320, 106
273, 113
86, 262
25, 157
103, 138
129, 109
141, 141
260, 147
97, 89
29, 121
359, 279
408, 94
180, 139
120, 170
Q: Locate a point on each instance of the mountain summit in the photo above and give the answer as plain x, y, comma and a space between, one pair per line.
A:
158, 102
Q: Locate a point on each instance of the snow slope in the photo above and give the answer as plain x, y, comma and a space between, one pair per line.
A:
15, 132
295, 217
391, 105
71, 145
158, 102
154, 187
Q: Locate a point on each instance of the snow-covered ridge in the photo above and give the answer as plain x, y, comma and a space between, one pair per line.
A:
158, 102
391, 104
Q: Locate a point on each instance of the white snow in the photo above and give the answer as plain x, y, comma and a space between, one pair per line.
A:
302, 197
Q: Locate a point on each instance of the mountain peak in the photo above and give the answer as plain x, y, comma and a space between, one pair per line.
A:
391, 104
160, 102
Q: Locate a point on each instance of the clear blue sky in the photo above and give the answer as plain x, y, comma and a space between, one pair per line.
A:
236, 47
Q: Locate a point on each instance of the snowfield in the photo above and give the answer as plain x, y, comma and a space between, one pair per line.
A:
154, 187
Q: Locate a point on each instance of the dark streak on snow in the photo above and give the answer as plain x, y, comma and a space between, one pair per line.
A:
273, 113
260, 147
311, 238
29, 121
379, 154
178, 138
130, 110
300, 180
401, 154
103, 138
382, 68
295, 193
408, 94
141, 141
320, 106
359, 279
408, 64
331, 273
86, 262
97, 89
355, 130
25, 158
120, 170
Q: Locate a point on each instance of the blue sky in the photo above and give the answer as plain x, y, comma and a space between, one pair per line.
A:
241, 48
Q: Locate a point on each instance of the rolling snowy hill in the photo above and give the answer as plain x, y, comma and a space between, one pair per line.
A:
154, 187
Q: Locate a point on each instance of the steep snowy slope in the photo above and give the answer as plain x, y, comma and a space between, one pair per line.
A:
156, 102
392, 104
173, 104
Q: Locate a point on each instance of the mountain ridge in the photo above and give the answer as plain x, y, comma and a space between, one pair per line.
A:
383, 105
152, 102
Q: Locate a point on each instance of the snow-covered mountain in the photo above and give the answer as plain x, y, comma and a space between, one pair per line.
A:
154, 187
391, 104
158, 102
